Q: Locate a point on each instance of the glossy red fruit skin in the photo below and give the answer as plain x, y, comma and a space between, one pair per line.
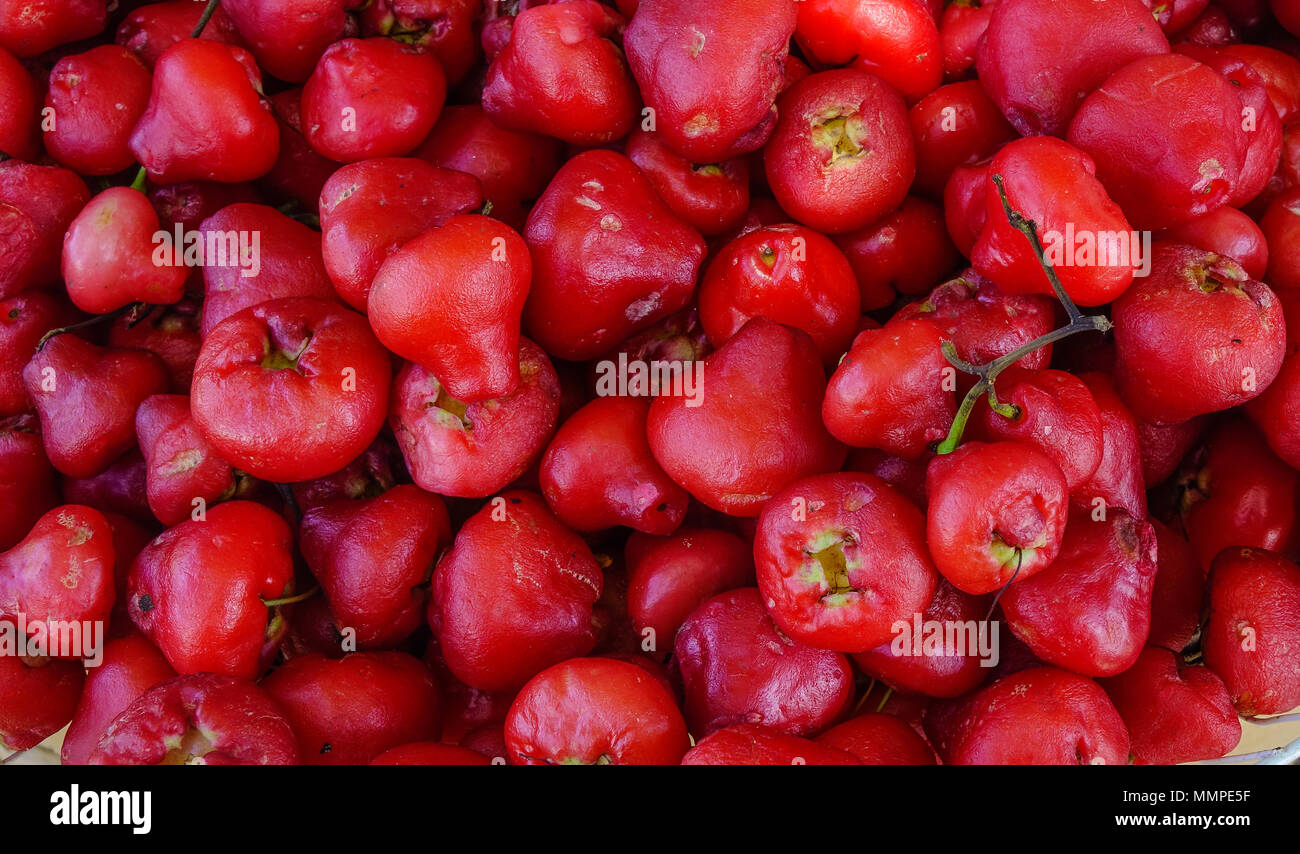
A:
197, 590
711, 73
288, 36
150, 29
288, 263
955, 125
473, 450
181, 464
1281, 73
513, 168
1106, 570
514, 595
311, 384
562, 74
609, 257
963, 204
488, 740
1038, 60
895, 39
1259, 119
1287, 13
1212, 28
36, 205
907, 252
907, 476
787, 273
1240, 494
1273, 412
300, 172
598, 471
945, 675
229, 136
752, 744
961, 29
372, 558
371, 208
1176, 16
877, 739
1179, 107
430, 753
87, 397
712, 198
497, 20
842, 154
62, 571
1167, 376
468, 714
595, 711
822, 575
1174, 712
310, 628
1251, 635
451, 300
1280, 225
1178, 592
110, 255
231, 720
369, 475
19, 128
130, 667
997, 514
31, 27
24, 318
386, 120
1118, 480
120, 488
1229, 232
889, 392
984, 323
1056, 413
191, 202
348, 711
1053, 183
37, 698
130, 536
97, 97
669, 577
737, 667
677, 338
169, 332
27, 487
1163, 446
757, 428
446, 28
1039, 716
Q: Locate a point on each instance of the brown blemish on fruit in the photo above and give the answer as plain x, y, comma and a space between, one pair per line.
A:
700, 124
696, 45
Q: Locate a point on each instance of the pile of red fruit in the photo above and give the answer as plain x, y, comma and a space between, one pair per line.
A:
727, 382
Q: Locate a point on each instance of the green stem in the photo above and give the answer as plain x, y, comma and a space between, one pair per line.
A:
949, 444
290, 600
208, 11
138, 183
988, 374
94, 321
1029, 229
